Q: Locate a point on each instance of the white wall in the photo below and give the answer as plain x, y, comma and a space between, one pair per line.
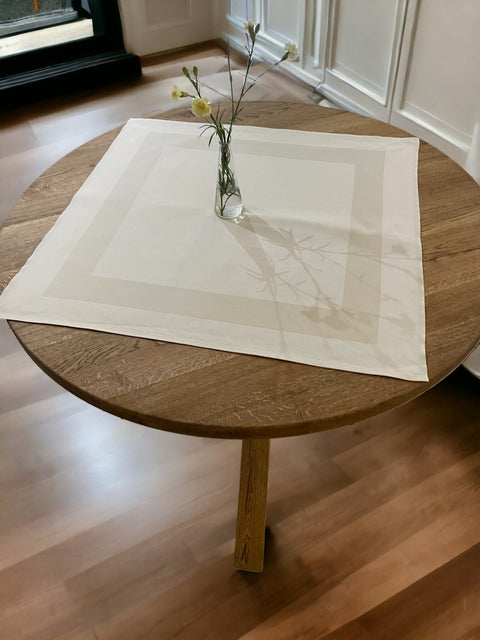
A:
150, 26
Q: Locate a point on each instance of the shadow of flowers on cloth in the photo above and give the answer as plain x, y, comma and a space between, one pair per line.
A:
300, 284
314, 287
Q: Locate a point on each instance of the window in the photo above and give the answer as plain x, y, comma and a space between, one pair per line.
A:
61, 45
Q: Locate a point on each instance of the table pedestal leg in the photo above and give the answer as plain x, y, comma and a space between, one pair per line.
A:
252, 499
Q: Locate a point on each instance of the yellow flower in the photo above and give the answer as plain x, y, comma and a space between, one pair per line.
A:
201, 107
176, 93
291, 50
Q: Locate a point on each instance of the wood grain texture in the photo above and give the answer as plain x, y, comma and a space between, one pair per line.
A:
202, 392
109, 531
252, 503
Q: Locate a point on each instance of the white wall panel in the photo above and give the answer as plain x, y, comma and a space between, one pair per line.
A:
414, 63
362, 51
241, 9
282, 20
438, 87
362, 44
150, 26
315, 37
167, 12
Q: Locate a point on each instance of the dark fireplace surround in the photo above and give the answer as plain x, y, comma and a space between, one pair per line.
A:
71, 66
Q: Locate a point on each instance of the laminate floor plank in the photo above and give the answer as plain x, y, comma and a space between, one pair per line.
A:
444, 604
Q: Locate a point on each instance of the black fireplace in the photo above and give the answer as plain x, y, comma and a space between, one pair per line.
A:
70, 66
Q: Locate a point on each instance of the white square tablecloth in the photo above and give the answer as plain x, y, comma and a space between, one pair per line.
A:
325, 268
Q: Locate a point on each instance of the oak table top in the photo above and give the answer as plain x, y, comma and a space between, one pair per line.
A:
204, 392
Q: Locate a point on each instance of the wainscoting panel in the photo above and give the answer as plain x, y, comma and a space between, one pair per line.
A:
283, 20
165, 12
241, 9
150, 26
413, 63
438, 86
362, 51
315, 38
348, 47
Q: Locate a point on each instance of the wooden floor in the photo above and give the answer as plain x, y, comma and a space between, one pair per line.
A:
112, 531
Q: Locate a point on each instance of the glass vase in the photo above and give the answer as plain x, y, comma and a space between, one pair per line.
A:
228, 199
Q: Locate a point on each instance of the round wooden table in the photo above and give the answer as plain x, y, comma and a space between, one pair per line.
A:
203, 392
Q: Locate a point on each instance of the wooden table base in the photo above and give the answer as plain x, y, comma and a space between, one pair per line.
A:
252, 501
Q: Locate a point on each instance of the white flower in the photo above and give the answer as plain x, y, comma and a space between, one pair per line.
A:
201, 107
292, 51
176, 93
249, 25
